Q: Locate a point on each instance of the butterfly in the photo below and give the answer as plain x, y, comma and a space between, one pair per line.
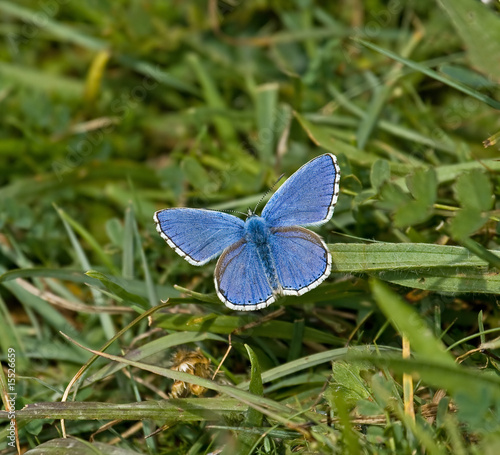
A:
264, 256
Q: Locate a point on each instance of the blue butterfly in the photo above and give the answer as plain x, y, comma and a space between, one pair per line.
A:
265, 256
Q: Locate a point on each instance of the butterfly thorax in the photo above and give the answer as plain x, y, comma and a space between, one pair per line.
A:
256, 230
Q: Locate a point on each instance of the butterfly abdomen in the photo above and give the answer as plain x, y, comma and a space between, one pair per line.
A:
257, 232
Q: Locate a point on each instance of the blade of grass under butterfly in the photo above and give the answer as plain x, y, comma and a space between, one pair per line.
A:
423, 266
357, 257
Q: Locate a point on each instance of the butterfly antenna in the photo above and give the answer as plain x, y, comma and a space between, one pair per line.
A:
268, 191
231, 211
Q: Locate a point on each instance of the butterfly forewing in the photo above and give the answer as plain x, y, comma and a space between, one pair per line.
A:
308, 196
198, 235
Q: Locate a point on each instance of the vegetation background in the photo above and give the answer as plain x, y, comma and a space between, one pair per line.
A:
111, 110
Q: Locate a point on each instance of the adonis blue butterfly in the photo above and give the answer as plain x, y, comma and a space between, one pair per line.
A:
265, 256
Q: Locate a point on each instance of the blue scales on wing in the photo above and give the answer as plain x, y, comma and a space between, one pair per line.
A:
307, 197
198, 235
301, 258
240, 278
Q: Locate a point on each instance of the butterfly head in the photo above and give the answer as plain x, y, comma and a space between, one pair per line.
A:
250, 213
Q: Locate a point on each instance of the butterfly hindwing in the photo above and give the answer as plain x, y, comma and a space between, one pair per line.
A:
308, 196
198, 235
240, 278
301, 258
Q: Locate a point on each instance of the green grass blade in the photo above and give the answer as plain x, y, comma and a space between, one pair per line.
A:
152, 348
479, 29
447, 280
65, 87
322, 137
77, 276
266, 108
297, 340
254, 418
390, 127
481, 252
410, 324
357, 257
128, 244
71, 224
10, 337
213, 98
70, 34
175, 410
119, 291
432, 267
449, 173
310, 361
452, 378
270, 407
65, 32
380, 96
152, 292
227, 324
49, 314
431, 73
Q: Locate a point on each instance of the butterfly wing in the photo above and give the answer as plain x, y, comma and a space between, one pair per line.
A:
308, 196
240, 278
301, 258
198, 235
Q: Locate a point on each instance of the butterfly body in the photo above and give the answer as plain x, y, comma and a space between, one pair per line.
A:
258, 233
264, 256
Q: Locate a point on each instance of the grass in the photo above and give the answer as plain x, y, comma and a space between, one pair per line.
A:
113, 110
